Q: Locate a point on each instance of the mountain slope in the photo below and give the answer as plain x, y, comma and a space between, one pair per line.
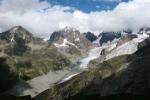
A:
24, 57
123, 74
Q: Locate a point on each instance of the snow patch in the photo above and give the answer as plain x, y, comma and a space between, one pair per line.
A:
77, 39
12, 39
46, 39
65, 43
68, 78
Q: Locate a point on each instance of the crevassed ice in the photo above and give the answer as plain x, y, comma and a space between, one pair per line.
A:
127, 48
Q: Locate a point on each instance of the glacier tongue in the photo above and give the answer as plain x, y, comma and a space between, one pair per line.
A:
127, 48
93, 54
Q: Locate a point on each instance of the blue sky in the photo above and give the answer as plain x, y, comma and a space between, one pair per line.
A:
42, 17
88, 5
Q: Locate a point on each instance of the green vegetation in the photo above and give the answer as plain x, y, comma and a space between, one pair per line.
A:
114, 63
28, 66
37, 63
81, 81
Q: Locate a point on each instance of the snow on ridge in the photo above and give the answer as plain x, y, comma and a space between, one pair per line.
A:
65, 43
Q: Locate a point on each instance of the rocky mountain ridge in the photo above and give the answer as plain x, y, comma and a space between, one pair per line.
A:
68, 51
24, 57
127, 74
70, 42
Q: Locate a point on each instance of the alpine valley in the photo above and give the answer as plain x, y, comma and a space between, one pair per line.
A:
71, 65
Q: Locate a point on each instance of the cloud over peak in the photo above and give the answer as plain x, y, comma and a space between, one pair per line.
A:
42, 18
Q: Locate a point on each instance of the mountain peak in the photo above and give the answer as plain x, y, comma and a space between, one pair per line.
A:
69, 28
17, 28
15, 33
68, 32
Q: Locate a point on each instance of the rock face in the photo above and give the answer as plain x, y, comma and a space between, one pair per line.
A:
17, 33
109, 36
123, 74
90, 36
70, 42
71, 36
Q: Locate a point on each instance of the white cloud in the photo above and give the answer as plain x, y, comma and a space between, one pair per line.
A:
28, 13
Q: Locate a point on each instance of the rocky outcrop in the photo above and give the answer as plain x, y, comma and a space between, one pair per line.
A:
108, 36
90, 36
103, 52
